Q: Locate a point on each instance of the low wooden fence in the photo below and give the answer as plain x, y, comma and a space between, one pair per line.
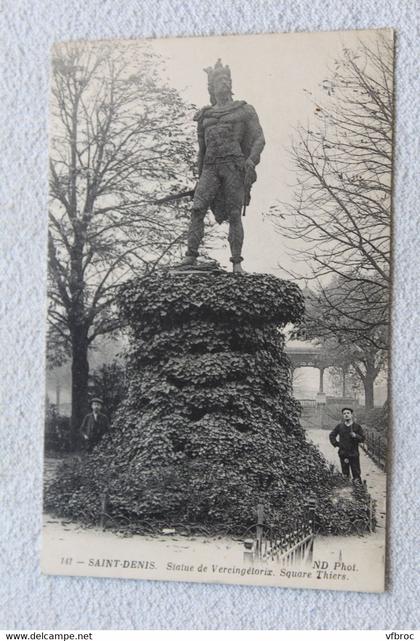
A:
273, 543
375, 446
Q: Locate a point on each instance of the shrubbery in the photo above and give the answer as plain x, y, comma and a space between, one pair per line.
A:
57, 434
376, 419
209, 428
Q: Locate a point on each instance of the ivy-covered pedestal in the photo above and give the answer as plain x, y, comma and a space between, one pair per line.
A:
209, 429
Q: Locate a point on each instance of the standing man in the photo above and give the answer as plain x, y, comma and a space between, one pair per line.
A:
94, 426
349, 434
230, 142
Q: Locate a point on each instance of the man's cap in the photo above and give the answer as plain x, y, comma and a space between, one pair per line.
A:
349, 409
97, 400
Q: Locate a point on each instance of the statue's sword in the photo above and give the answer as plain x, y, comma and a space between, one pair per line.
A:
190, 194
173, 197
249, 180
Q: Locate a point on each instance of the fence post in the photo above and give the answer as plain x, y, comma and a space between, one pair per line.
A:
375, 447
310, 514
260, 523
249, 550
380, 455
384, 449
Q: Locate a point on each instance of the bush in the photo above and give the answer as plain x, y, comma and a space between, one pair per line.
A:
108, 383
57, 431
376, 419
209, 428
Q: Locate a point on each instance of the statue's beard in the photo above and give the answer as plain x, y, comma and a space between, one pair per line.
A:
224, 94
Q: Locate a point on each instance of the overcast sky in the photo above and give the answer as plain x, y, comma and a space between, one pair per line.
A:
271, 73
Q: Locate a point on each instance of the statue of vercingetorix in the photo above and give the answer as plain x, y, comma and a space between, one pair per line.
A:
230, 142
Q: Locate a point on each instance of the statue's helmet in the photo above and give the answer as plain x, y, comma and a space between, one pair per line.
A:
218, 72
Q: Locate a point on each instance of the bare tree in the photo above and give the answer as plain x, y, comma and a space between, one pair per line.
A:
118, 137
340, 214
354, 344
351, 316
360, 364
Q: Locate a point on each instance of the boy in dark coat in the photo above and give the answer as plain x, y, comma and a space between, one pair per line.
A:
349, 434
94, 426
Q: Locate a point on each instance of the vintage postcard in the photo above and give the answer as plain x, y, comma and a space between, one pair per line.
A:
219, 284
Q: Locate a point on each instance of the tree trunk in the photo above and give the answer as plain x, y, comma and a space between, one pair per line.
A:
79, 336
79, 382
368, 383
368, 378
344, 390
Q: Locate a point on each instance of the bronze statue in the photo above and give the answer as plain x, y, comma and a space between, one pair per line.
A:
230, 141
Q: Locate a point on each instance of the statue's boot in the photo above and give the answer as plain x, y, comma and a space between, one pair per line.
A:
237, 268
187, 261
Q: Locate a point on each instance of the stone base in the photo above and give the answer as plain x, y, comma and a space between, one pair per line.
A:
201, 266
209, 429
